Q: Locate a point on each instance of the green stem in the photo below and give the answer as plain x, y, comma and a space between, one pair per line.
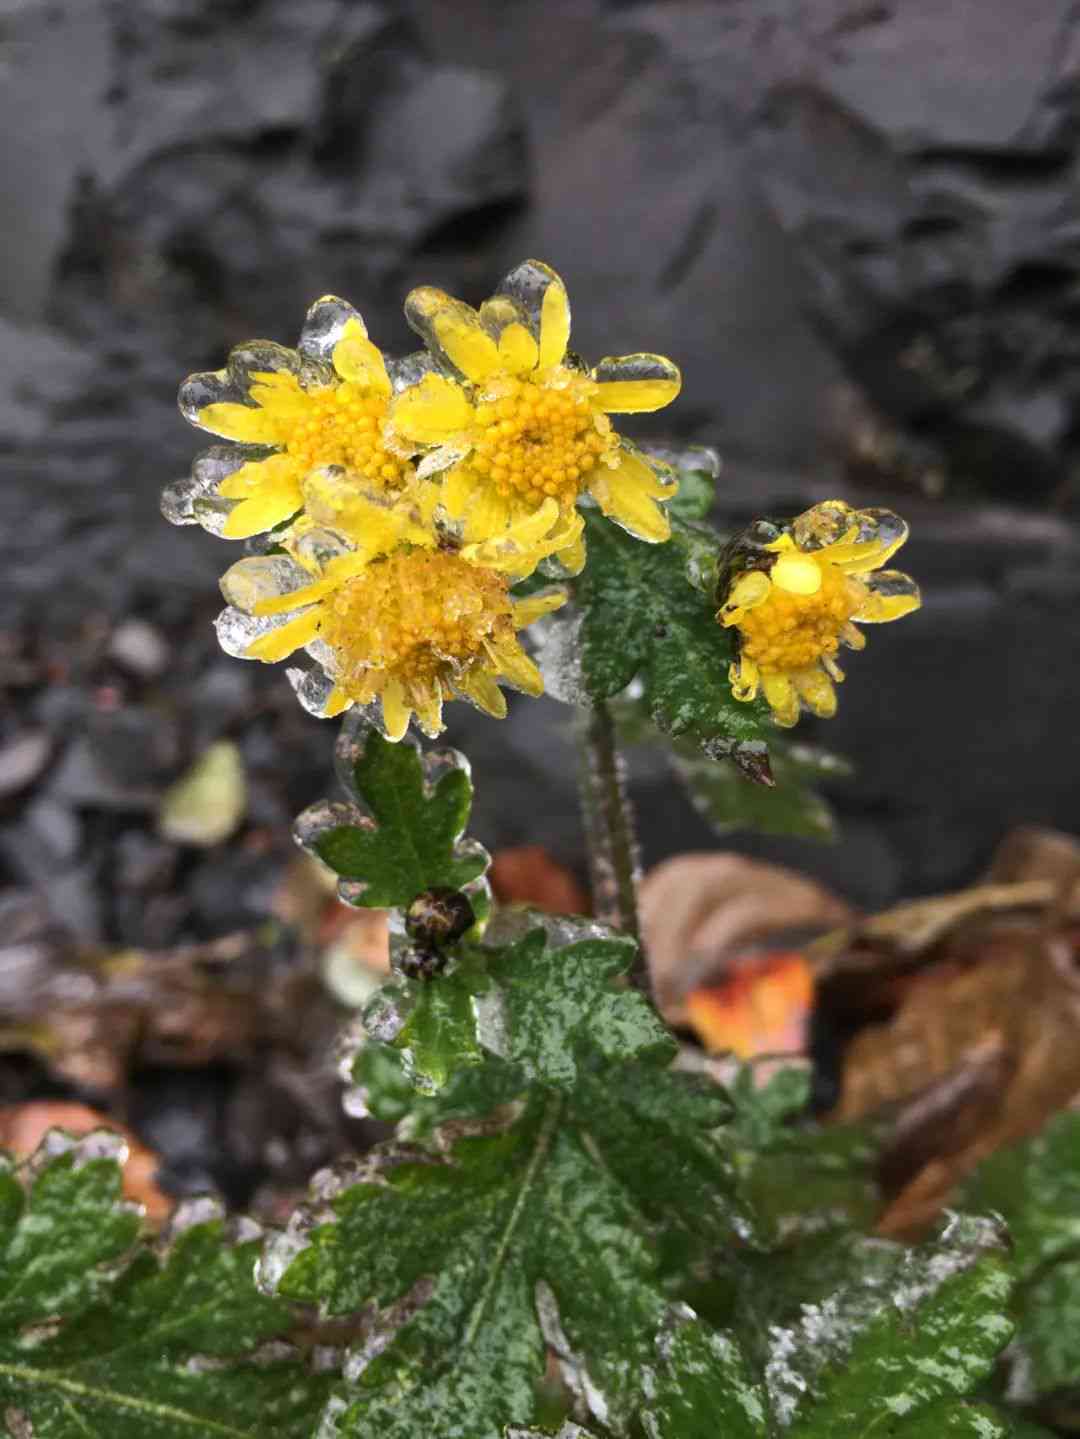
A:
609, 832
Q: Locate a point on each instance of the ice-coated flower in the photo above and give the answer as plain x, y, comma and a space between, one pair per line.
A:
510, 419
290, 412
400, 621
794, 593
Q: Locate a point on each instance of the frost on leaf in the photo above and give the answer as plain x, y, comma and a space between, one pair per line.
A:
401, 832
105, 1338
643, 619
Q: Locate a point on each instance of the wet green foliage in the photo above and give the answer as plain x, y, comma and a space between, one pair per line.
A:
1035, 1187
100, 1339
410, 843
567, 1235
642, 618
544, 1008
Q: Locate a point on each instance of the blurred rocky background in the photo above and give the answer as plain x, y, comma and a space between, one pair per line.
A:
855, 225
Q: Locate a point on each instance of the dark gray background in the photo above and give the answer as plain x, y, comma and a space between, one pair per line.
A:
854, 224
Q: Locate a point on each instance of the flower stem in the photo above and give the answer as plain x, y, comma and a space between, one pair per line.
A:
609, 832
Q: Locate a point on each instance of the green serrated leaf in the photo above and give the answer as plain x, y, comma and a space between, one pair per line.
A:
405, 835
544, 1010
480, 1256
171, 1346
701, 1387
560, 1008
930, 1338
1035, 1187
729, 801
642, 617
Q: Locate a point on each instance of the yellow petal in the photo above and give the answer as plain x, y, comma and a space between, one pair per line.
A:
816, 691
480, 687
889, 595
750, 589
743, 677
528, 610
628, 493
276, 644
573, 557
432, 411
781, 697
279, 392
356, 359
554, 323
241, 422
487, 514
518, 351
336, 703
797, 574
517, 669
632, 384
263, 511
852, 637
427, 702
454, 329
395, 712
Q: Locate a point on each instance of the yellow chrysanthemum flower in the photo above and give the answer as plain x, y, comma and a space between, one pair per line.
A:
291, 412
397, 619
794, 593
511, 420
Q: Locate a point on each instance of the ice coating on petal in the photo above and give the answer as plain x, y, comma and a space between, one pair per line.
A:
261, 577
526, 285
195, 500
684, 457
313, 688
639, 383
237, 631
507, 926
557, 642
453, 331
315, 548
823, 524
324, 327
409, 370
890, 594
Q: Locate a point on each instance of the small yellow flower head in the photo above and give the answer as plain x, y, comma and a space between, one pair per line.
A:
511, 421
794, 592
290, 412
409, 627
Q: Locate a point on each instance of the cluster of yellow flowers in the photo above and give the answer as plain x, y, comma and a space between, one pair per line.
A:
402, 499
406, 497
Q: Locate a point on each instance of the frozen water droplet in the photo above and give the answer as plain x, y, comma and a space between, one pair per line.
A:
326, 815
256, 578
685, 457
237, 631
556, 640
324, 326
410, 369
203, 1209
385, 1016
312, 688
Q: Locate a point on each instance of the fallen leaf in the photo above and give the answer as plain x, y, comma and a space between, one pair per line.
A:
528, 875
24, 1126
762, 1007
700, 910
206, 804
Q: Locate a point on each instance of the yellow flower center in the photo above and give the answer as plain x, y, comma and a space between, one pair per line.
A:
414, 614
342, 425
537, 440
790, 631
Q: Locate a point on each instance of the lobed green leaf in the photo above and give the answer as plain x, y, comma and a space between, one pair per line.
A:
102, 1338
